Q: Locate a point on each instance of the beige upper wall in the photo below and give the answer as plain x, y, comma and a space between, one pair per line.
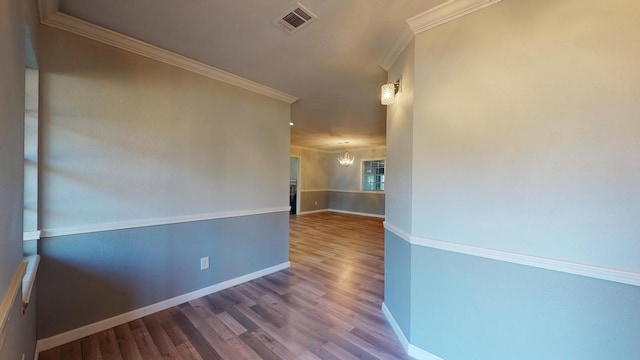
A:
526, 130
399, 182
320, 170
12, 64
127, 138
349, 178
314, 168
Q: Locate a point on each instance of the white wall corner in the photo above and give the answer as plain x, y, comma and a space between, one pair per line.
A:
396, 48
446, 12
412, 350
47, 8
397, 231
49, 15
31, 235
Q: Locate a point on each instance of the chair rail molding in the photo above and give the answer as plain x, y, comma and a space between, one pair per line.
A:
597, 272
48, 233
9, 298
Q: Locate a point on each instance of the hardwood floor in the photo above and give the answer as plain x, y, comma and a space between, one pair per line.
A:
326, 306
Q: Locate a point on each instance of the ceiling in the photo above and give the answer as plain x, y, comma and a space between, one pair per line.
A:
334, 65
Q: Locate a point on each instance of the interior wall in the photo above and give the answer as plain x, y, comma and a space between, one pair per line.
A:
30, 217
327, 185
12, 69
398, 193
349, 178
132, 144
18, 333
399, 165
314, 179
527, 117
524, 143
127, 138
346, 184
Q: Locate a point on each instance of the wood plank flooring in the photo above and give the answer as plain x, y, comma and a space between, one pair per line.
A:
326, 306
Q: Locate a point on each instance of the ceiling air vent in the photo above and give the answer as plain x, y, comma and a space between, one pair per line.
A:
294, 18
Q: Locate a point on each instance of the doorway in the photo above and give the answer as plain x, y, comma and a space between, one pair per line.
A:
294, 184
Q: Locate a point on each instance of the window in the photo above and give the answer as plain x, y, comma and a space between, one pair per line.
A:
373, 175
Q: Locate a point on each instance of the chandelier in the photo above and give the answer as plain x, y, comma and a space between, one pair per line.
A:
346, 159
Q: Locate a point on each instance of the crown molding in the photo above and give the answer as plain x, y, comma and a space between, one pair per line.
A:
441, 14
445, 12
396, 48
49, 15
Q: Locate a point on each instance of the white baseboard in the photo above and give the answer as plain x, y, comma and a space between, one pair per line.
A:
396, 328
342, 212
313, 212
412, 350
79, 333
357, 213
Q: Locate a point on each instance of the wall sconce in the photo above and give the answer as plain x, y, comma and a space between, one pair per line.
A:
388, 92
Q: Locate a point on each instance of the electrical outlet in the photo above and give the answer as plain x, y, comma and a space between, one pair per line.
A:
204, 263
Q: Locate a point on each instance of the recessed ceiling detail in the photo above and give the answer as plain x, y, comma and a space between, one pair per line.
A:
294, 19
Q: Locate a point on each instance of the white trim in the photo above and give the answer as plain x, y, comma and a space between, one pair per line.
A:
158, 221
359, 149
446, 12
380, 192
65, 22
9, 299
397, 231
79, 333
29, 279
593, 271
396, 48
313, 211
335, 151
356, 213
374, 192
412, 350
36, 354
396, 328
362, 160
306, 148
421, 354
31, 235
298, 182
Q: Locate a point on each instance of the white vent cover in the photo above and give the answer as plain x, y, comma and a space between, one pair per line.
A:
295, 18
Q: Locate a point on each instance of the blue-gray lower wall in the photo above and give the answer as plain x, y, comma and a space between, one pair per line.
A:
397, 280
314, 200
468, 307
359, 202
90, 277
